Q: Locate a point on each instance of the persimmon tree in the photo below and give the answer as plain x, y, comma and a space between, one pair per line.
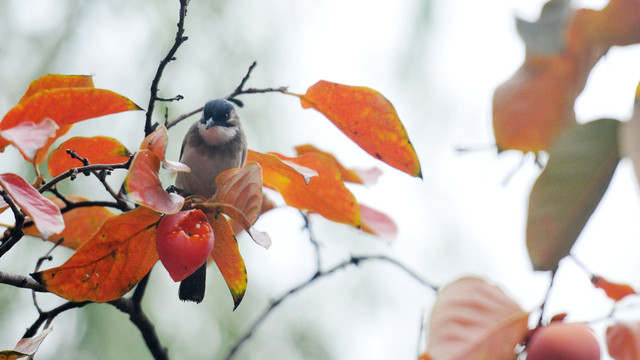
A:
118, 242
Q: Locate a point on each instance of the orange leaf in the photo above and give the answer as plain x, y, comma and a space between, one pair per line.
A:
109, 264
614, 291
30, 137
143, 186
377, 223
54, 81
44, 213
367, 118
97, 150
325, 194
65, 106
472, 319
358, 176
86, 221
623, 340
228, 259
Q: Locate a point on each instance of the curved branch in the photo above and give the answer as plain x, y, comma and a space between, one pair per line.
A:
354, 260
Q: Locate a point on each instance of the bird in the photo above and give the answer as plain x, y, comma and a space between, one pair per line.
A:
212, 145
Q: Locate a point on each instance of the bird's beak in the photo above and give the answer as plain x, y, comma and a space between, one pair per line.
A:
209, 123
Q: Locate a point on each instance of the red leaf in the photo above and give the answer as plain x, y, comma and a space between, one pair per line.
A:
228, 259
97, 150
44, 213
367, 118
623, 340
156, 142
86, 221
54, 81
325, 194
109, 264
143, 186
475, 320
377, 223
242, 188
358, 176
614, 291
29, 137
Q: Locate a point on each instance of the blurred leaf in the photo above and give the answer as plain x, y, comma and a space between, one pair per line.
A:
377, 223
630, 136
614, 291
55, 81
109, 264
474, 320
358, 176
97, 150
368, 119
533, 106
44, 213
30, 345
623, 340
581, 165
29, 137
546, 36
228, 259
142, 185
85, 222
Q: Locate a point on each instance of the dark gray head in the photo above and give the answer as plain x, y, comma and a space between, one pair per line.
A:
219, 112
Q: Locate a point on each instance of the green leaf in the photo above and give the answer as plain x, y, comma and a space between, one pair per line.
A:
581, 164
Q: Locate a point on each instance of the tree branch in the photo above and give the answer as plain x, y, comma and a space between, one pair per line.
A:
20, 281
354, 260
180, 38
142, 322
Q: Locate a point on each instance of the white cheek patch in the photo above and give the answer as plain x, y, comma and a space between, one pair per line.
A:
217, 135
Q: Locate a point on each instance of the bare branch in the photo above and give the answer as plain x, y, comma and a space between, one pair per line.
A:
180, 38
354, 260
21, 282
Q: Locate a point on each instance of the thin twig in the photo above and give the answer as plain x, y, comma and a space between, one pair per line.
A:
42, 259
312, 240
15, 234
48, 316
354, 260
180, 38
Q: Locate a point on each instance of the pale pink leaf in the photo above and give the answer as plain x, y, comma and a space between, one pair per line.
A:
44, 213
378, 223
472, 319
30, 137
30, 345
